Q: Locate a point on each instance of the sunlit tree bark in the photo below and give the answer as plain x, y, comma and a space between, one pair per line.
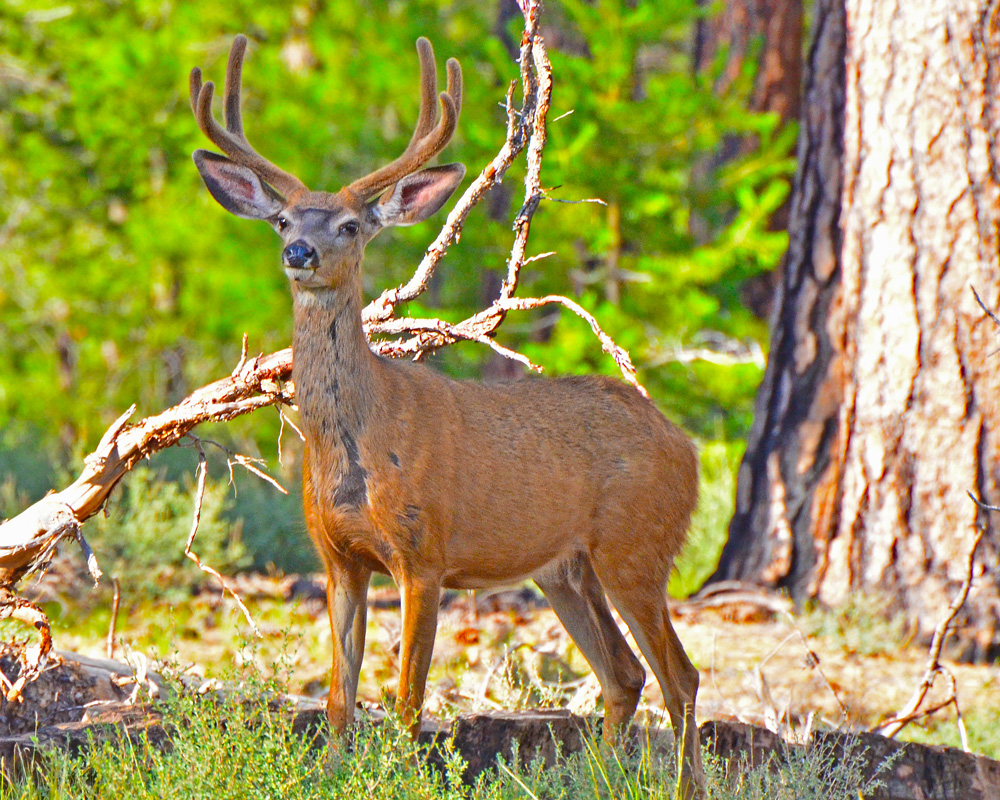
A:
880, 406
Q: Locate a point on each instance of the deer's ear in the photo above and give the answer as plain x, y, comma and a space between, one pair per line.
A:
417, 196
237, 189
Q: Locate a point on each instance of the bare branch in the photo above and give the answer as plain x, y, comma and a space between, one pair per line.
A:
526, 128
32, 658
243, 357
248, 465
620, 356
115, 603
492, 175
195, 520
595, 200
992, 315
934, 667
88, 553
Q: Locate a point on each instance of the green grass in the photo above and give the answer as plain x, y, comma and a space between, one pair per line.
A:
863, 625
239, 748
716, 495
982, 725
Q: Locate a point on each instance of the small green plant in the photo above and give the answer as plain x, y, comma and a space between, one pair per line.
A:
716, 496
238, 746
820, 771
864, 625
141, 541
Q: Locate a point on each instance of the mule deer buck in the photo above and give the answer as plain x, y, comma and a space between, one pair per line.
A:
578, 483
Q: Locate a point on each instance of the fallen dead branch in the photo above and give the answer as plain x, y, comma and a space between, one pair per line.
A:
28, 540
726, 594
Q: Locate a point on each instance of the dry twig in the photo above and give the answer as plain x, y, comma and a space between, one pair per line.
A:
115, 603
195, 520
912, 710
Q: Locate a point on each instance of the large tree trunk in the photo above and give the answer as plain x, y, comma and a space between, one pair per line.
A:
880, 406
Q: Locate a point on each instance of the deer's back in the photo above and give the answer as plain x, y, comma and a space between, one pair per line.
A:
566, 462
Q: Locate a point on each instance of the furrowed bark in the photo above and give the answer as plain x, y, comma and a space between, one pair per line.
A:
879, 407
770, 535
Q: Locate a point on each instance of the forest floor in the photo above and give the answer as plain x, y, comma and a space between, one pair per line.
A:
759, 663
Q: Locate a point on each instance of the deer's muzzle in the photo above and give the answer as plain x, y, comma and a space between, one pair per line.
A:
299, 255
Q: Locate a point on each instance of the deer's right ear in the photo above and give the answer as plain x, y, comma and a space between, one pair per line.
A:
237, 189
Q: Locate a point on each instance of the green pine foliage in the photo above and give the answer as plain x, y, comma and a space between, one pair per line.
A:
122, 281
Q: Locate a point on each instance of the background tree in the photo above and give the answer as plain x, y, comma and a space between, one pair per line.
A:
878, 410
759, 40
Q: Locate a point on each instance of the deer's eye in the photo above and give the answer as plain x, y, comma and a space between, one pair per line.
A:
281, 223
350, 228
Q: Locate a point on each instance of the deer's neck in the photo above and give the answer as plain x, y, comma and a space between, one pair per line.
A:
335, 374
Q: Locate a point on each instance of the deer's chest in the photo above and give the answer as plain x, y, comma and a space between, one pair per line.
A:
367, 508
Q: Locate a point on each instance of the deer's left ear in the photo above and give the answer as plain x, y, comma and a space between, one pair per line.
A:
418, 196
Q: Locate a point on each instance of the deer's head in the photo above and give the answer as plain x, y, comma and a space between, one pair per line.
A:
325, 233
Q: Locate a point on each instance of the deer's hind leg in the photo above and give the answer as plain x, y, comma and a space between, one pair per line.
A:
640, 595
576, 596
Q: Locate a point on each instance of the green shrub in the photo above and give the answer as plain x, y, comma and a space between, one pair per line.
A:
141, 540
237, 747
716, 496
273, 530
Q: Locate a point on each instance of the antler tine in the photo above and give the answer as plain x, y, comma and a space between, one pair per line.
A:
231, 139
233, 86
455, 82
426, 142
428, 91
194, 84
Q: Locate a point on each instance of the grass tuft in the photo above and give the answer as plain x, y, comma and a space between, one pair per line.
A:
716, 497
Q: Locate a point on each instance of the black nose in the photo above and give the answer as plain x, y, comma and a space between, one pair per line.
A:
298, 254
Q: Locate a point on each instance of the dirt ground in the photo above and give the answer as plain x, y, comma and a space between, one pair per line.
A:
507, 650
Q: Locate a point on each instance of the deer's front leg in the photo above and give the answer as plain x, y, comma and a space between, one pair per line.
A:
347, 603
420, 609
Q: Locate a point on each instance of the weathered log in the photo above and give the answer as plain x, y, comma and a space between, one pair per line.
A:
915, 771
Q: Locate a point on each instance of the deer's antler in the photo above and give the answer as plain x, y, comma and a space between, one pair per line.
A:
231, 139
428, 139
